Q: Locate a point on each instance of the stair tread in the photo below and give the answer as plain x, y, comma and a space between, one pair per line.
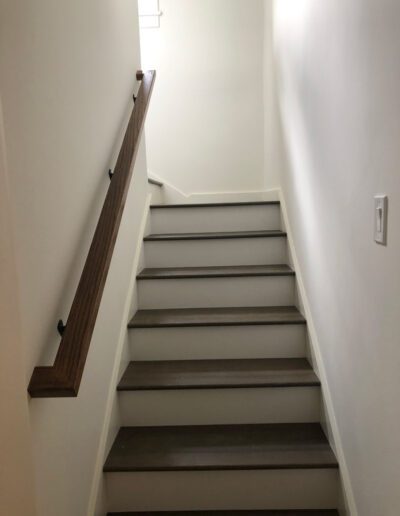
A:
214, 204
215, 272
231, 373
215, 235
315, 512
220, 447
231, 316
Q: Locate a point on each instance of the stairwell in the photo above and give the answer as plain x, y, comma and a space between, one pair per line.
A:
220, 406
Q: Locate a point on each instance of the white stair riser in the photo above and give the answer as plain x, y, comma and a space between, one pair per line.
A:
224, 218
215, 342
229, 251
220, 406
216, 292
219, 490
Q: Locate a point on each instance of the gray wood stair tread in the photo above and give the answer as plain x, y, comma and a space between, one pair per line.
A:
215, 272
232, 316
220, 447
214, 235
208, 374
312, 512
214, 204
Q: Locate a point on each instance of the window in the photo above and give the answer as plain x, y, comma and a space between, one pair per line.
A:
149, 14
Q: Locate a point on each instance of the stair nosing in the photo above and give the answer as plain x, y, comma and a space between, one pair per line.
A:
299, 319
282, 385
195, 325
214, 205
234, 512
263, 467
219, 235
237, 271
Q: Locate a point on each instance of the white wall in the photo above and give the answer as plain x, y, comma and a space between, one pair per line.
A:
67, 74
272, 141
16, 469
339, 81
206, 123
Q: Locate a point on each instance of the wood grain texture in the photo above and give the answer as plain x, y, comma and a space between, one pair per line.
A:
218, 374
64, 377
214, 236
233, 271
221, 447
232, 316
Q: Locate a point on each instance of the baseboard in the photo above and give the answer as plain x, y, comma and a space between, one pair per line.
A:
110, 429
347, 505
261, 195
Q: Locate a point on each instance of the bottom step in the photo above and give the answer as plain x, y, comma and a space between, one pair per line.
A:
246, 467
229, 513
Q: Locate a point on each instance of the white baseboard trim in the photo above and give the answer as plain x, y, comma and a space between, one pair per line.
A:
347, 502
172, 194
107, 432
261, 195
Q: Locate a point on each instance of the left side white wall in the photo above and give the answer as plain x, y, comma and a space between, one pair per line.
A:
16, 469
67, 74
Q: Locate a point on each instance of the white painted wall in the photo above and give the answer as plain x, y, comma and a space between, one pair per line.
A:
16, 469
67, 74
272, 136
206, 124
339, 78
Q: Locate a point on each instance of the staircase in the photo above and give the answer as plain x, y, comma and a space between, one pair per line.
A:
220, 406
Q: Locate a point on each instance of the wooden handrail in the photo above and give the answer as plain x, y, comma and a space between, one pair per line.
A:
64, 377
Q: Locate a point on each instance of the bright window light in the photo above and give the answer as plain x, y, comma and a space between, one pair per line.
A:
149, 14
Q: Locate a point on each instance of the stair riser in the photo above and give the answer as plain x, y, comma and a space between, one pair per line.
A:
219, 252
217, 292
219, 490
235, 218
274, 341
220, 406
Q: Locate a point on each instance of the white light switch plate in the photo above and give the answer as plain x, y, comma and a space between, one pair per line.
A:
380, 219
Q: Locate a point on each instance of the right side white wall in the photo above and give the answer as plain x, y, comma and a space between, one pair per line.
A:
338, 81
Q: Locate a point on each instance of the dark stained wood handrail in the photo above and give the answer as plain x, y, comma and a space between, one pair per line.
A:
64, 377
